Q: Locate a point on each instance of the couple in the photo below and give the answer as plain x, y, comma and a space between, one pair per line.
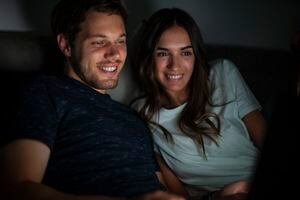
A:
74, 142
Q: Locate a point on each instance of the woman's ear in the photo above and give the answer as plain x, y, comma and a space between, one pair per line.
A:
63, 44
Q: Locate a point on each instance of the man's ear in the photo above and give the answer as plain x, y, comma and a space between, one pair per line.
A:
63, 44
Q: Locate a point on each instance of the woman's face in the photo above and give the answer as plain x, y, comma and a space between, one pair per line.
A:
174, 61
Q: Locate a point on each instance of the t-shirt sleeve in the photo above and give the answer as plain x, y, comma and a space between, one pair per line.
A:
246, 100
37, 118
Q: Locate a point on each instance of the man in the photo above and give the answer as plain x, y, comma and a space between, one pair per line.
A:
72, 141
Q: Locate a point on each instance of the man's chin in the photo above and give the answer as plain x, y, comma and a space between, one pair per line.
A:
107, 85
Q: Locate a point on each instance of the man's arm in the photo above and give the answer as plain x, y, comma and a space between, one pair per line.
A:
23, 165
24, 162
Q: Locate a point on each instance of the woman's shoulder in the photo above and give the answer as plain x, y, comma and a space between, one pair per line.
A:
220, 78
222, 65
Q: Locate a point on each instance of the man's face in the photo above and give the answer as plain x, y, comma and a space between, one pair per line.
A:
99, 51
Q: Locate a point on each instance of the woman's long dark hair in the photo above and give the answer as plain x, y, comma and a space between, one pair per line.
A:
194, 120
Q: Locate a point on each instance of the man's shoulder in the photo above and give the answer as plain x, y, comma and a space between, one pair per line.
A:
42, 86
44, 80
137, 103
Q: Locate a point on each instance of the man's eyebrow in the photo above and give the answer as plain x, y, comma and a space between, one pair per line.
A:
123, 35
104, 36
162, 49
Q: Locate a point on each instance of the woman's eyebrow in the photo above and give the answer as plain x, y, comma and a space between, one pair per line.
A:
186, 47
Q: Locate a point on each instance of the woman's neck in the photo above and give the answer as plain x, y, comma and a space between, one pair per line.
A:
173, 100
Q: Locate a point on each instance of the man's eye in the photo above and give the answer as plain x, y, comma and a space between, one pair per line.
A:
121, 41
98, 43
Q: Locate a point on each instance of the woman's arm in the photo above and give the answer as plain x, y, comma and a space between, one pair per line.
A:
169, 179
256, 127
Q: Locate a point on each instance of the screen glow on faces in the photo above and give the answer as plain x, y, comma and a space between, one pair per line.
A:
174, 61
100, 51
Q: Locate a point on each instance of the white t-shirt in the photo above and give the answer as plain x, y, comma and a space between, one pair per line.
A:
235, 157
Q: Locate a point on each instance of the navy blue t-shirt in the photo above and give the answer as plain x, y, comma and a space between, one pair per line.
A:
98, 146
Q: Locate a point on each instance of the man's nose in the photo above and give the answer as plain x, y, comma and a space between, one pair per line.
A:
112, 52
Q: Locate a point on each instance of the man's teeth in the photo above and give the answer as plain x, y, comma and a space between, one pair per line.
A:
109, 69
174, 77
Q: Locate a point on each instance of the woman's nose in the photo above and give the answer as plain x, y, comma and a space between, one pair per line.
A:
173, 62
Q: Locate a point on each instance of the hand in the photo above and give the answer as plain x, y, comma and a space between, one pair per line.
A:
238, 187
160, 195
240, 196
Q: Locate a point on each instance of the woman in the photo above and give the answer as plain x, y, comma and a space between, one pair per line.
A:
205, 121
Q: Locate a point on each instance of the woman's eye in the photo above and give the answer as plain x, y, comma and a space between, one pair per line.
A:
186, 53
161, 54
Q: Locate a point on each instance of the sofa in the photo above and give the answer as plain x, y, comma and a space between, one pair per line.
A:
23, 55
